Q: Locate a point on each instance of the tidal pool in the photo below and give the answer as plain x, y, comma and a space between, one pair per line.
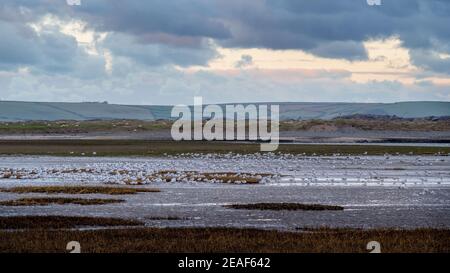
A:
375, 191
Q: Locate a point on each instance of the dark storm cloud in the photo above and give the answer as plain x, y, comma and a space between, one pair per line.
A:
181, 18
350, 50
49, 52
245, 60
22, 46
156, 54
332, 29
430, 61
149, 32
316, 25
14, 48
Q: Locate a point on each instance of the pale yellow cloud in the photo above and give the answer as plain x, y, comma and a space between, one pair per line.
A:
387, 61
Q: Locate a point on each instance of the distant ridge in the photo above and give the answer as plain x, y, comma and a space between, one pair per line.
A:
26, 111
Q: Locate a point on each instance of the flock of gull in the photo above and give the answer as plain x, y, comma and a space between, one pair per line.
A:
267, 168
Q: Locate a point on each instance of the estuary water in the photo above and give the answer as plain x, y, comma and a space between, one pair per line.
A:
375, 191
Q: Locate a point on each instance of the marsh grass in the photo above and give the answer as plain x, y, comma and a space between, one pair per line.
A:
58, 201
51, 234
283, 206
226, 240
56, 222
78, 190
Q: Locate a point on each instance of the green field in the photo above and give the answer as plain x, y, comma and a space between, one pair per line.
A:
114, 126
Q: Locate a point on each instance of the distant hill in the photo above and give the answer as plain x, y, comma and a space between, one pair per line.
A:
25, 111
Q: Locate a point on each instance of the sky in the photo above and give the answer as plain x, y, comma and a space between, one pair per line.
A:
167, 52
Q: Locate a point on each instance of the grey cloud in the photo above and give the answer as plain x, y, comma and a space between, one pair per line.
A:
315, 25
15, 46
245, 60
333, 29
430, 60
347, 50
157, 54
49, 52
168, 86
183, 18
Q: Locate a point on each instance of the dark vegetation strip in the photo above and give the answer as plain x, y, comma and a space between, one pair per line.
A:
58, 201
166, 218
283, 206
221, 240
362, 122
158, 148
55, 222
78, 190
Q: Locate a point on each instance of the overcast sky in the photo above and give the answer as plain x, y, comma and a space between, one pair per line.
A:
167, 52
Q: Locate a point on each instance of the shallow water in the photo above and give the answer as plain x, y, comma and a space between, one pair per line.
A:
376, 191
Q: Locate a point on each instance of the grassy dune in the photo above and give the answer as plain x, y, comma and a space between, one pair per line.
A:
413, 125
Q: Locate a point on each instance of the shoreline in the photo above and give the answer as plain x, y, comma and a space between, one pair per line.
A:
129, 147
